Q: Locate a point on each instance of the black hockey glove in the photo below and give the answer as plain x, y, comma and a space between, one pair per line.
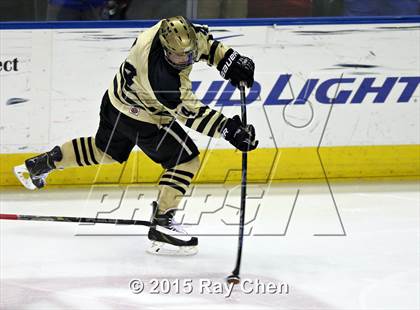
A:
243, 138
237, 68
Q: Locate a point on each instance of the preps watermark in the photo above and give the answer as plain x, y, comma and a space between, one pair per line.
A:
207, 287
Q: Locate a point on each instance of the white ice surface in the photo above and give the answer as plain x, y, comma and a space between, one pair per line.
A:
51, 265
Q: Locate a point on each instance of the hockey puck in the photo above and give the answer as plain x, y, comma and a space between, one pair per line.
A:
233, 279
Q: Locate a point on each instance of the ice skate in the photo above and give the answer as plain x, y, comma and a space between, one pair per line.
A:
168, 237
33, 173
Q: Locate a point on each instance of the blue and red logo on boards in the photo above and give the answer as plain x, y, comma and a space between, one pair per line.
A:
346, 91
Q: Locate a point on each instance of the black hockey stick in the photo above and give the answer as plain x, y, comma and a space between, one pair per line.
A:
72, 219
234, 277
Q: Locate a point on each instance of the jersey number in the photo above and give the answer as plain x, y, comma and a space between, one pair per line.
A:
129, 73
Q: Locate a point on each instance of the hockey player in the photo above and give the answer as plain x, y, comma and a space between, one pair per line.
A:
148, 98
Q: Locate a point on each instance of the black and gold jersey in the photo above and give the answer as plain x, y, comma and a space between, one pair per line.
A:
149, 89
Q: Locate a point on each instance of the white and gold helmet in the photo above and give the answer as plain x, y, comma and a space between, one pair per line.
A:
179, 41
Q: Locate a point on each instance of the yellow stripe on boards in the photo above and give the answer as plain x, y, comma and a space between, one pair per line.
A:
264, 165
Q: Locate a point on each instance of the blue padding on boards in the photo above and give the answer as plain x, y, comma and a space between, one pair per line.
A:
238, 22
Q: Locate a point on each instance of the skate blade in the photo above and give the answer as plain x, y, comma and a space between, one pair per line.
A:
161, 248
22, 175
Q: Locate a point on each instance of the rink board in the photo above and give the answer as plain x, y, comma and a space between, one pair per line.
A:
335, 97
264, 166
